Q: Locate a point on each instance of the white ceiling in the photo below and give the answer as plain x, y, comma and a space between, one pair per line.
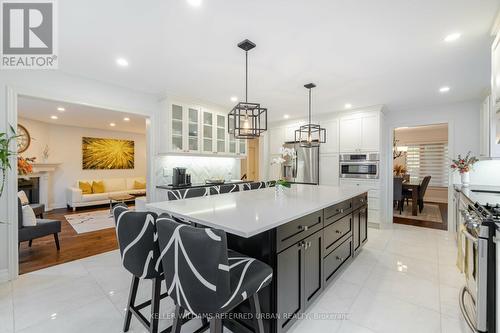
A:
360, 52
78, 115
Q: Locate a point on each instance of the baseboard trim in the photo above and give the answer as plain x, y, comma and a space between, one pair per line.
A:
374, 225
4, 275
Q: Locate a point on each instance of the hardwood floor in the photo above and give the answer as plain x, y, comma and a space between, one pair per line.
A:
443, 208
74, 246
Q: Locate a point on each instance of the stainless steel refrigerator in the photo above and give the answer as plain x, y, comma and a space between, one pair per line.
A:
305, 167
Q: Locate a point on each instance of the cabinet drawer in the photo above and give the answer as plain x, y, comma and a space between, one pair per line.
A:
337, 230
359, 201
294, 231
336, 211
336, 258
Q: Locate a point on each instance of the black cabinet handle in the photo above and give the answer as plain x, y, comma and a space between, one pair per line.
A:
338, 232
339, 258
303, 227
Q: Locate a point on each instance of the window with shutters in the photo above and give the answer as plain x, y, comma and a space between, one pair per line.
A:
429, 160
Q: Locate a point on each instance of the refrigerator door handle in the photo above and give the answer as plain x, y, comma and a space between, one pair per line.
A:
295, 167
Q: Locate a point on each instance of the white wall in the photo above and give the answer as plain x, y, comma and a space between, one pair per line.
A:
65, 144
63, 87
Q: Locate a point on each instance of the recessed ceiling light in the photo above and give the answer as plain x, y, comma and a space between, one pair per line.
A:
61, 109
112, 124
126, 119
348, 106
286, 116
452, 37
122, 62
444, 89
194, 3
234, 99
54, 117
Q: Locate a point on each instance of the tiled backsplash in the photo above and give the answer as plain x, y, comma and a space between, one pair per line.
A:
200, 168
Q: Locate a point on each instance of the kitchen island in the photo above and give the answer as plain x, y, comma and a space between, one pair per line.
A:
306, 234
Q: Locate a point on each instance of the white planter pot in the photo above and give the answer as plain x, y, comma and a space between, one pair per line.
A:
465, 178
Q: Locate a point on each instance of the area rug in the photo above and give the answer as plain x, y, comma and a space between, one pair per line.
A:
431, 212
91, 221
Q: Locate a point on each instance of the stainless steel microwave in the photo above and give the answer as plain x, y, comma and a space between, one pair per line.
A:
364, 165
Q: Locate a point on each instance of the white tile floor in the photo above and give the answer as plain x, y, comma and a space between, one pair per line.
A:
404, 280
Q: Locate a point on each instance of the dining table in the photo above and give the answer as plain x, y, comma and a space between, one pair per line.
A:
413, 184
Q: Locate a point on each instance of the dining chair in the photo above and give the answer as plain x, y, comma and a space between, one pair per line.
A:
206, 279
254, 186
398, 193
187, 193
226, 188
421, 192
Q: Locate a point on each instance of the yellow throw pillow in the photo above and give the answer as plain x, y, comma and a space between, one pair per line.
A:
85, 187
139, 185
97, 187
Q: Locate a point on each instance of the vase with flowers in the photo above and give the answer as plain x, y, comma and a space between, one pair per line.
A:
281, 182
463, 165
25, 165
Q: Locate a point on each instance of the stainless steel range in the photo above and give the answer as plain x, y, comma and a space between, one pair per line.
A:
478, 296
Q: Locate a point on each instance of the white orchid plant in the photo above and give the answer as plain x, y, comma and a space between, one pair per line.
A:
284, 153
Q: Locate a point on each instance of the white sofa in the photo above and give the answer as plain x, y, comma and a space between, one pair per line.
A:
112, 186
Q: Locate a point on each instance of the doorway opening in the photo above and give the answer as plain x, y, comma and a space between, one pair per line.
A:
74, 161
421, 175
250, 165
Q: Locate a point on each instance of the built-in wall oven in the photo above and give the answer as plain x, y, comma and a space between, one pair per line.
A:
364, 166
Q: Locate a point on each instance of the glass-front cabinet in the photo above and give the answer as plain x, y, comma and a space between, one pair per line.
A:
198, 130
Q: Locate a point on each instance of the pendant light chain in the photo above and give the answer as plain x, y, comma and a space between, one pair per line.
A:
246, 76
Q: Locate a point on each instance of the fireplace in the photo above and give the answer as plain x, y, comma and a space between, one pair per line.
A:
31, 186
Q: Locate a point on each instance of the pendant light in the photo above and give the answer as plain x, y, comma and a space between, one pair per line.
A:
247, 120
310, 135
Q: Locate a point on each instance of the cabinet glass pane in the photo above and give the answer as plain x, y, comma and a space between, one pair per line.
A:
177, 142
176, 127
207, 131
207, 145
232, 147
221, 121
193, 116
221, 146
193, 130
176, 112
221, 133
243, 147
193, 143
207, 118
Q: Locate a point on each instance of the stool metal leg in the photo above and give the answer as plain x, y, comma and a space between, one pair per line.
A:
257, 319
155, 305
177, 324
216, 325
131, 301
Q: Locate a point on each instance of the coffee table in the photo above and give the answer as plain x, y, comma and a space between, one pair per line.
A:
117, 198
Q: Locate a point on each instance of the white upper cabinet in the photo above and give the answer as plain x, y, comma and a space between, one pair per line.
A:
370, 133
350, 135
184, 129
276, 140
332, 137
359, 133
484, 129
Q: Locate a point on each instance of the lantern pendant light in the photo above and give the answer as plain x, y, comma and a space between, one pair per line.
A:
310, 135
247, 120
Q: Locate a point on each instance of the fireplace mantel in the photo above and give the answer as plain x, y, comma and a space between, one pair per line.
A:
42, 171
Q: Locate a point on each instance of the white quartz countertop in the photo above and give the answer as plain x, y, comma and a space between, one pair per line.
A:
248, 213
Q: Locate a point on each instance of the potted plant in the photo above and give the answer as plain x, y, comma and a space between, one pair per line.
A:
5, 154
282, 183
464, 165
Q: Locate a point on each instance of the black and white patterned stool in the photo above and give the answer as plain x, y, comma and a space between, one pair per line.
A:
187, 193
254, 186
204, 278
271, 183
220, 189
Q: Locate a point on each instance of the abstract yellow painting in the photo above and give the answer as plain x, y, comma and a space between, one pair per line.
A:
98, 153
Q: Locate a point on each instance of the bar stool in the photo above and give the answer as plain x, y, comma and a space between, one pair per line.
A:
220, 189
140, 252
204, 278
186, 193
254, 186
